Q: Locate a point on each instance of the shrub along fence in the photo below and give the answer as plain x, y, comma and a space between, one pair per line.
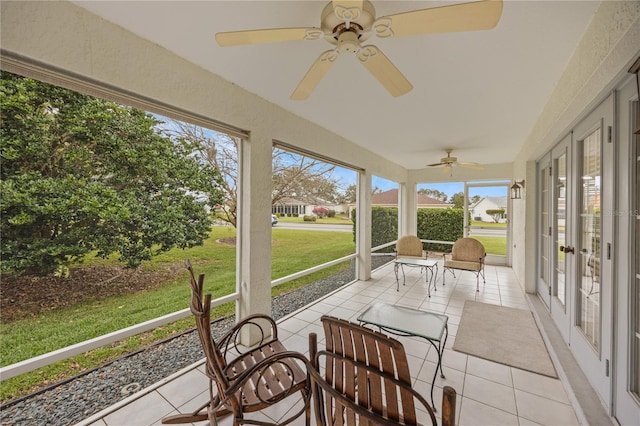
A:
440, 225
433, 224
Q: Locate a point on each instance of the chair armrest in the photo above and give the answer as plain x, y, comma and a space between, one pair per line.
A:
264, 365
229, 339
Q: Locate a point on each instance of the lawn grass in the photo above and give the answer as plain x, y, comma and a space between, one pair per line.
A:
338, 219
488, 224
494, 245
292, 251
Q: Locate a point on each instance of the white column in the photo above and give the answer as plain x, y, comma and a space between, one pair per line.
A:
254, 230
407, 209
529, 249
363, 231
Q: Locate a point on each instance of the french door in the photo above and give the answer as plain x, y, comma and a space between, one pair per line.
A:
555, 233
543, 287
574, 280
562, 246
590, 338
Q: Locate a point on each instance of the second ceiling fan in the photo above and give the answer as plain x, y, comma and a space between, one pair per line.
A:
448, 162
348, 23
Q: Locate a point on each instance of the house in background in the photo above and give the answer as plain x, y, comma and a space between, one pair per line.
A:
479, 209
293, 207
390, 199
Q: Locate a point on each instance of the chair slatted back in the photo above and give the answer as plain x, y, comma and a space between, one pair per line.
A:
372, 381
201, 309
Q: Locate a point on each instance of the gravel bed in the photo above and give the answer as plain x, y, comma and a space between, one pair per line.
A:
80, 397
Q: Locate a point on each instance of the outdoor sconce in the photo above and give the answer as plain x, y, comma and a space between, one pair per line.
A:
635, 69
516, 189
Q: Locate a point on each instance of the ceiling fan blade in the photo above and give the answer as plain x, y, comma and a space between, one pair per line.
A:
236, 38
347, 10
436, 165
314, 75
474, 16
383, 69
471, 166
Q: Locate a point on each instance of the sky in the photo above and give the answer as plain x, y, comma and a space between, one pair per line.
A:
448, 188
348, 177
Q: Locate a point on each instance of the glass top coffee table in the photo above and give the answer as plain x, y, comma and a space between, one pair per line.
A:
403, 321
429, 265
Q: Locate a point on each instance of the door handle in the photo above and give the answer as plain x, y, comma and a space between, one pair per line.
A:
567, 249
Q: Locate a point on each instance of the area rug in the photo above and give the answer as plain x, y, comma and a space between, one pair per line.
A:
504, 335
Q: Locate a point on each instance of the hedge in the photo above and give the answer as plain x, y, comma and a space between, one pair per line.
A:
384, 226
442, 225
433, 224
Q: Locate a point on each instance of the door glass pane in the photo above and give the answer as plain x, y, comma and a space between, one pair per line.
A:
560, 216
590, 253
544, 225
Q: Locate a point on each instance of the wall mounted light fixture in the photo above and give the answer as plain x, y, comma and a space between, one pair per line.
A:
516, 189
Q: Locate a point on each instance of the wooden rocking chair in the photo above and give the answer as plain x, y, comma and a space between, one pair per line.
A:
366, 380
250, 381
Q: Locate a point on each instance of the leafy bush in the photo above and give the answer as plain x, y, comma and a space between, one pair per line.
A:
442, 225
331, 213
384, 226
433, 224
309, 218
320, 211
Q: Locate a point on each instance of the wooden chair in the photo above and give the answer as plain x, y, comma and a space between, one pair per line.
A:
366, 380
248, 381
467, 255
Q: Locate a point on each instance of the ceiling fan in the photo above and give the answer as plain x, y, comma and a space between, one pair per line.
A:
349, 23
448, 162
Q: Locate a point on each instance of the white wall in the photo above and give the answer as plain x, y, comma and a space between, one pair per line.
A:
601, 60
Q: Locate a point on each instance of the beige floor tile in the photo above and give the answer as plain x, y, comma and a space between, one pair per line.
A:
489, 370
297, 343
474, 413
141, 412
292, 325
309, 316
543, 410
490, 393
184, 388
544, 386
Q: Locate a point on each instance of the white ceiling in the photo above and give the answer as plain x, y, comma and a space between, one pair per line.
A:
479, 93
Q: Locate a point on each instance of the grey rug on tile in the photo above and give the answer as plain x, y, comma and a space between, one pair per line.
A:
505, 335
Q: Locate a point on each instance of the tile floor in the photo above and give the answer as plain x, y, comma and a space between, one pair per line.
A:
488, 393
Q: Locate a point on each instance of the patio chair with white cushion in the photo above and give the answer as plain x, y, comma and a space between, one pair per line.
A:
467, 254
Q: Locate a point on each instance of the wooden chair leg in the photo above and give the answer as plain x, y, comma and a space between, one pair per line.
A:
448, 406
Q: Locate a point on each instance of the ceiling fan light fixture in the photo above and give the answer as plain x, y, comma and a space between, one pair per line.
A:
348, 42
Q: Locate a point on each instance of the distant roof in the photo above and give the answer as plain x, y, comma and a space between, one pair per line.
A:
498, 201
390, 197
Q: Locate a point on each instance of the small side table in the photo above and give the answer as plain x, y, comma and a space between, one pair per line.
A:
429, 265
403, 321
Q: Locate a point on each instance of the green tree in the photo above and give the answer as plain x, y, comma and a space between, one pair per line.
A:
457, 200
433, 193
349, 195
80, 175
495, 214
